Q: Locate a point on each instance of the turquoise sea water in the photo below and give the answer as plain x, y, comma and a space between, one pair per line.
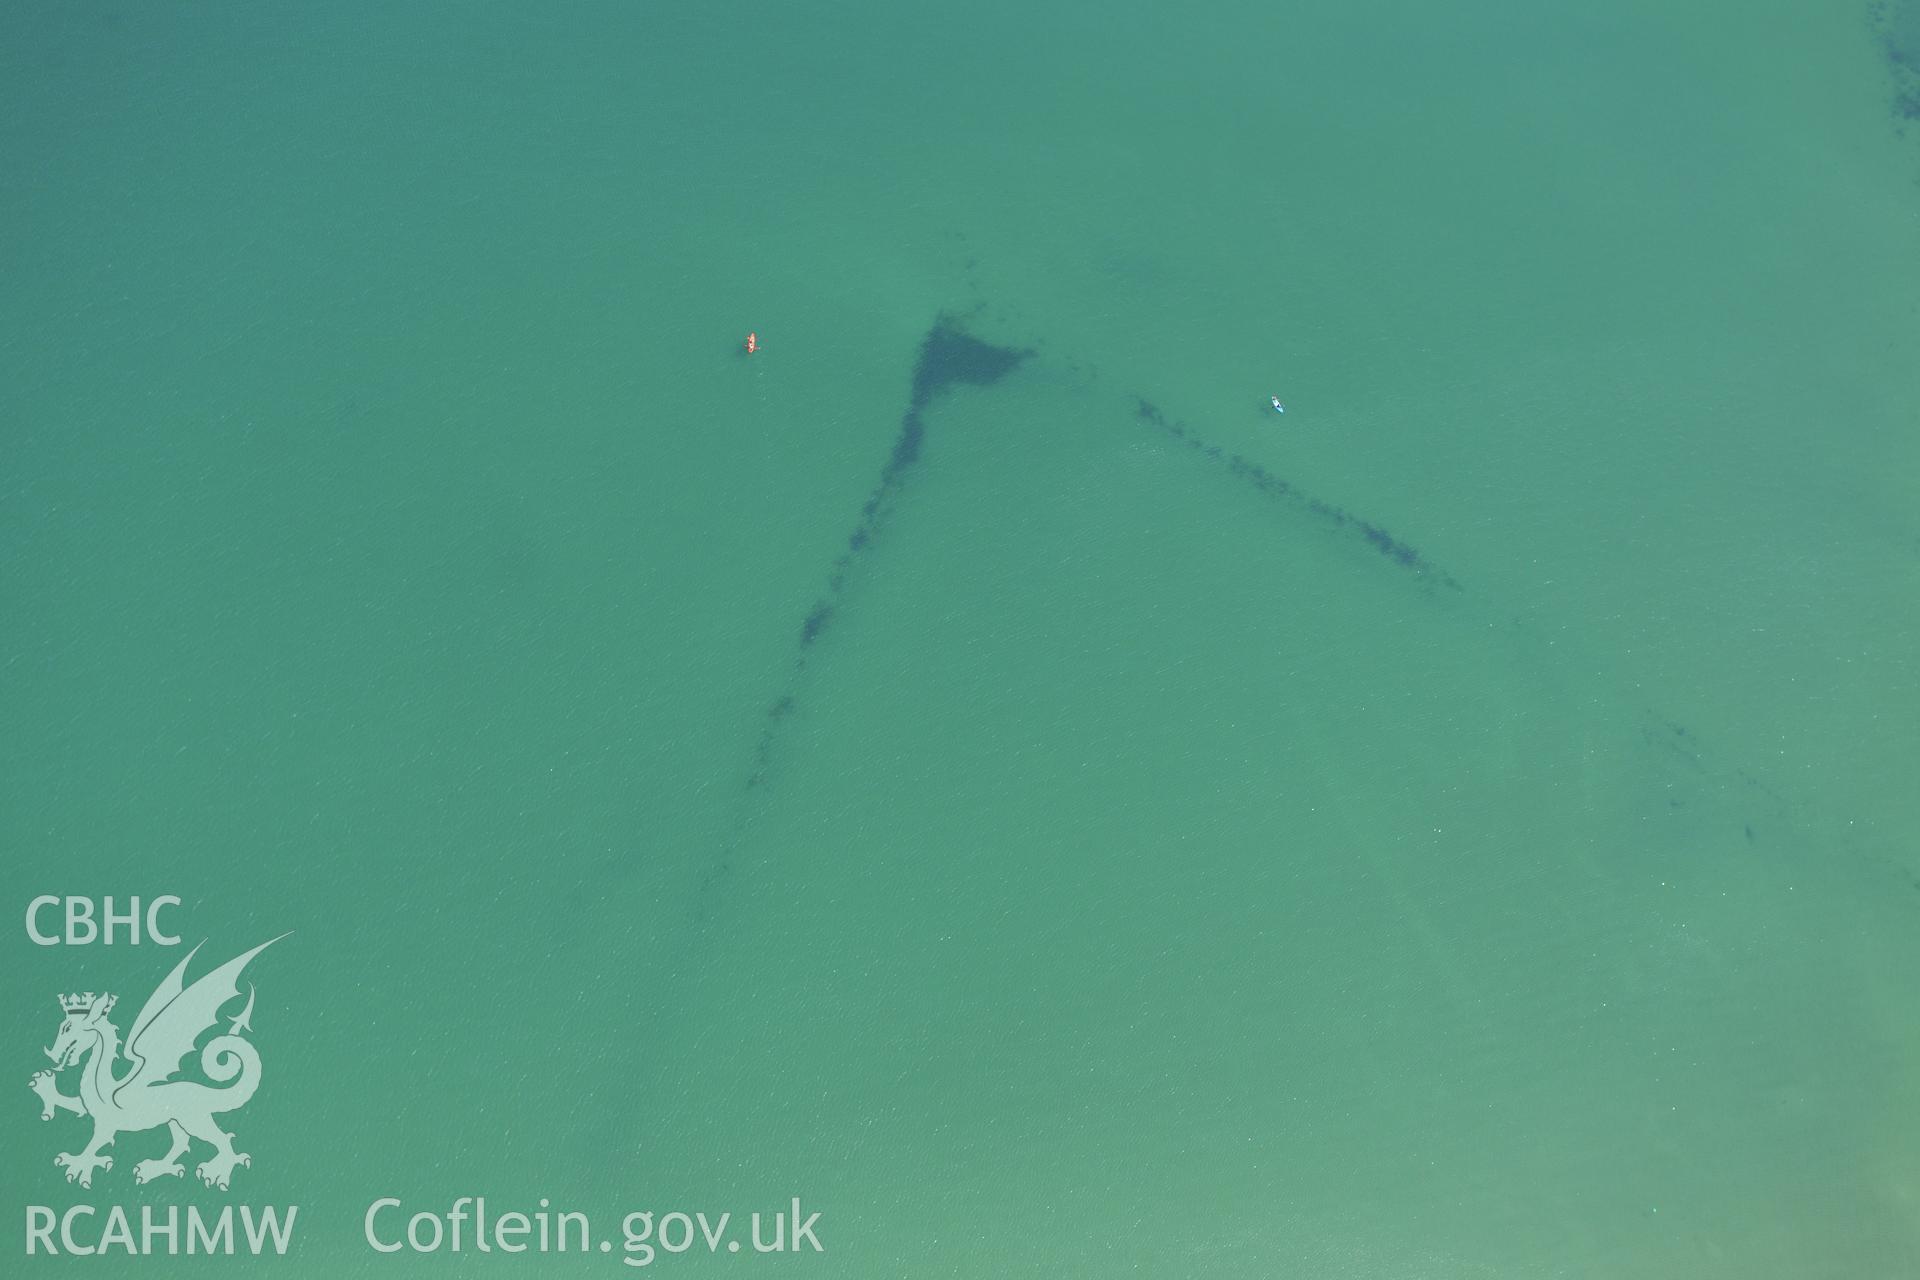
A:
1149, 876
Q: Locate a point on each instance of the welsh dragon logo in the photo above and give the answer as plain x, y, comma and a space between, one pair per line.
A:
146, 1095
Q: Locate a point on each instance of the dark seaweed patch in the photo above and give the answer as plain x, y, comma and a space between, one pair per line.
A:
949, 357
1897, 27
906, 449
816, 620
